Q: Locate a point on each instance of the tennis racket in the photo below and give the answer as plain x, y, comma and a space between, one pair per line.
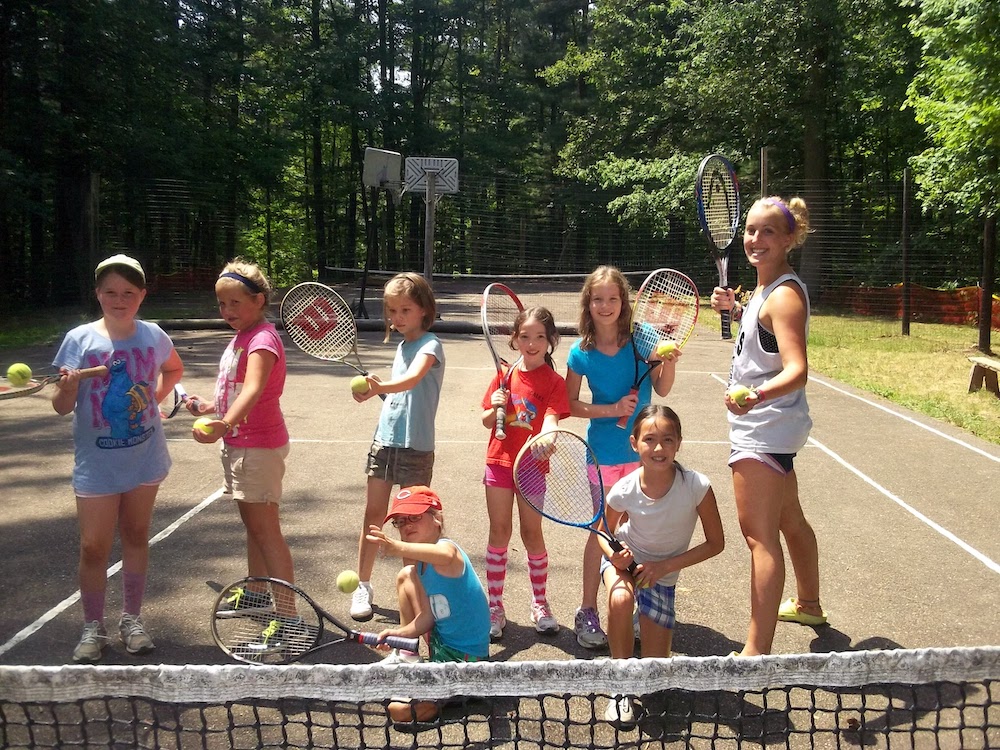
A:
269, 621
181, 399
558, 475
665, 310
321, 324
718, 196
34, 386
499, 308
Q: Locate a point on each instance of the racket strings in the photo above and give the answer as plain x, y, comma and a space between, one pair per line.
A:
720, 204
559, 485
270, 626
500, 312
666, 308
318, 324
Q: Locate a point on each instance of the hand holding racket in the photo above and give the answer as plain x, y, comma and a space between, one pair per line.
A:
181, 399
269, 621
8, 390
499, 308
717, 192
664, 312
320, 323
557, 474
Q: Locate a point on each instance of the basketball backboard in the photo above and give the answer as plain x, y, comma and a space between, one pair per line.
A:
445, 171
382, 169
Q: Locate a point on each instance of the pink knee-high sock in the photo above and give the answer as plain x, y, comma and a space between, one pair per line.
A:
538, 570
93, 605
496, 573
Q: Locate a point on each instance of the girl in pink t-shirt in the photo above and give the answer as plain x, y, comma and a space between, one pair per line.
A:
254, 437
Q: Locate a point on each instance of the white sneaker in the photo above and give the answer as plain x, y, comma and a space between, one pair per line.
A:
399, 656
620, 711
92, 642
498, 621
541, 615
134, 635
361, 602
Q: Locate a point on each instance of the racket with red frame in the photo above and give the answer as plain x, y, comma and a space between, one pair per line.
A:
717, 192
665, 311
499, 308
320, 323
8, 391
558, 475
262, 620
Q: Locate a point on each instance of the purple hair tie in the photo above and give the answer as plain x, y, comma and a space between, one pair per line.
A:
777, 203
248, 283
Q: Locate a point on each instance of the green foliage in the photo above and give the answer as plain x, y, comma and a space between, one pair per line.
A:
956, 96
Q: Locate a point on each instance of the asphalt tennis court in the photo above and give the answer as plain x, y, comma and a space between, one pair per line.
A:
904, 508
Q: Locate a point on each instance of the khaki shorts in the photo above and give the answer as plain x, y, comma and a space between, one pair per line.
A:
253, 475
403, 466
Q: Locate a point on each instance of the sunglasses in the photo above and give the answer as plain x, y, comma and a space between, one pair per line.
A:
401, 521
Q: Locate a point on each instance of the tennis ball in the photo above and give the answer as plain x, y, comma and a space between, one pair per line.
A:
359, 384
18, 374
665, 348
204, 424
739, 393
348, 581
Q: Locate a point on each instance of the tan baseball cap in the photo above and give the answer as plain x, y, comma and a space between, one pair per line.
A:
120, 260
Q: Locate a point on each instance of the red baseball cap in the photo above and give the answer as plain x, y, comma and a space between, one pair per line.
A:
412, 501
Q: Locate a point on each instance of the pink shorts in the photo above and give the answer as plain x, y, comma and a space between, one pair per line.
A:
499, 476
611, 474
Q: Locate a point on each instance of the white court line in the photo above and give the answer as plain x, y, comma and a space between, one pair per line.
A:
904, 417
995, 567
73, 598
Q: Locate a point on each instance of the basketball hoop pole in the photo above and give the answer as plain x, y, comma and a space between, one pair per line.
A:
430, 204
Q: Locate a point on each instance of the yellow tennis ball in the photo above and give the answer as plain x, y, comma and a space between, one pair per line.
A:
739, 393
348, 581
204, 424
359, 384
18, 374
666, 348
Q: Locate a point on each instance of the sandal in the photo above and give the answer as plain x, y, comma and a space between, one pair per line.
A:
789, 612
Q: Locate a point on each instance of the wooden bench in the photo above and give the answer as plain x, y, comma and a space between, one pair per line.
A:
984, 372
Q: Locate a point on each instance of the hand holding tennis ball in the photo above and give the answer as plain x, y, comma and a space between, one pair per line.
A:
738, 393
359, 385
665, 348
348, 581
204, 424
18, 374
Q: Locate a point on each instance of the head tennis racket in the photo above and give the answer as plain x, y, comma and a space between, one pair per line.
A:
499, 308
718, 196
321, 324
34, 386
269, 621
665, 310
558, 475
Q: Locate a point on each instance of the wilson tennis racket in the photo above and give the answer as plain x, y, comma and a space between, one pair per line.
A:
269, 621
499, 308
718, 196
665, 311
180, 400
558, 475
34, 386
321, 324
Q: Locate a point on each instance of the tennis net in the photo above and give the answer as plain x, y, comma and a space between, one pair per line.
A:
940, 698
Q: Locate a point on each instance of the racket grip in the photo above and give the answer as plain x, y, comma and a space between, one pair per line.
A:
501, 425
618, 547
94, 372
727, 330
392, 641
623, 421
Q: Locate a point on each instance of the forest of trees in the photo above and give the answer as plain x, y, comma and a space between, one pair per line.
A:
190, 131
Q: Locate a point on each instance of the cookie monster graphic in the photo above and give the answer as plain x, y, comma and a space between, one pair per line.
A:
123, 406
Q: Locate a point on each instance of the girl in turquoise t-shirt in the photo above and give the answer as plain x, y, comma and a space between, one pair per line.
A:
604, 356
